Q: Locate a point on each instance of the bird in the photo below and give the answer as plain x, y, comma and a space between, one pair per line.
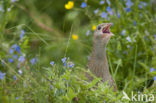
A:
98, 63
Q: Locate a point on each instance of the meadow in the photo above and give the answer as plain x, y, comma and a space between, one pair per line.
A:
45, 46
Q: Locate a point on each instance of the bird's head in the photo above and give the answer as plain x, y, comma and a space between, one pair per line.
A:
102, 33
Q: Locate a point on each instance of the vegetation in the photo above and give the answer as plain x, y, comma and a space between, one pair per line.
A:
45, 46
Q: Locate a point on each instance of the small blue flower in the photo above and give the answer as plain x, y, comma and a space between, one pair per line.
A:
22, 34
140, 6
127, 9
109, 10
20, 71
64, 64
14, 77
83, 5
152, 69
52, 63
13, 0
21, 59
134, 23
2, 75
11, 51
108, 2
51, 87
18, 49
17, 98
118, 14
1, 9
71, 64
123, 32
154, 78
129, 3
104, 15
64, 59
155, 36
14, 46
102, 2
96, 11
10, 60
129, 39
88, 32
15, 56
33, 60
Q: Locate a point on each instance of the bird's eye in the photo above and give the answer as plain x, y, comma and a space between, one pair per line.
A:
99, 27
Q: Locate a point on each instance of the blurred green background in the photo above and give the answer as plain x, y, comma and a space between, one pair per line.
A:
49, 30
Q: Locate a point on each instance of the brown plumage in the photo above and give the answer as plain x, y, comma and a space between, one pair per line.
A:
98, 63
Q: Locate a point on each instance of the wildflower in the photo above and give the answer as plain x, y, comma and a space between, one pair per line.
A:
52, 63
129, 39
10, 60
75, 37
155, 36
13, 0
17, 98
20, 71
83, 5
152, 69
134, 23
108, 2
69, 5
88, 32
109, 10
51, 87
129, 3
33, 60
22, 34
64, 59
128, 9
71, 64
96, 11
21, 59
11, 51
104, 15
118, 14
123, 32
102, 2
94, 27
154, 78
2, 75
15, 56
9, 9
18, 49
14, 77
1, 9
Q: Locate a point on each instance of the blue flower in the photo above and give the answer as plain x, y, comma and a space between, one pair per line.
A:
20, 71
129, 39
129, 3
10, 60
51, 87
109, 10
21, 59
71, 64
154, 78
2, 75
134, 23
102, 2
14, 46
96, 11
17, 98
88, 32
108, 2
14, 77
64, 64
128, 9
52, 63
18, 49
64, 59
118, 14
1, 9
13, 0
152, 69
123, 32
11, 51
83, 5
155, 36
33, 60
22, 34
15, 56
104, 15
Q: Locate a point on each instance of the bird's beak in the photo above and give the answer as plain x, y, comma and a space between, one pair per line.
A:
108, 26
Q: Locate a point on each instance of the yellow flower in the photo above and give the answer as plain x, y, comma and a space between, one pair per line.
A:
69, 5
94, 27
75, 37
